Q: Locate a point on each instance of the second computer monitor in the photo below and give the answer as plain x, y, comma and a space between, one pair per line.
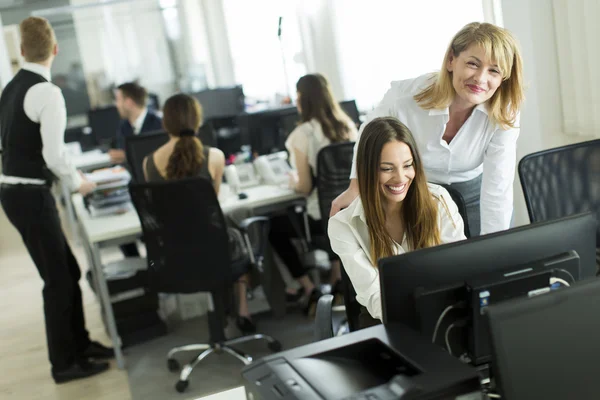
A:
221, 102
458, 262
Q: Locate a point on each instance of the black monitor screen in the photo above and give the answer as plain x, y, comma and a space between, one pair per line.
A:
221, 102
458, 262
104, 123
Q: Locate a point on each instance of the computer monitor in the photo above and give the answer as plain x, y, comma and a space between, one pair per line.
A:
451, 265
104, 123
547, 347
349, 107
267, 131
221, 102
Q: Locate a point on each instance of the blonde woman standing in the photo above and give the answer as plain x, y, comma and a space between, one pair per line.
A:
465, 120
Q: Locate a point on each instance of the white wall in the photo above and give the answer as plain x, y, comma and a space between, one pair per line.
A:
5, 67
532, 22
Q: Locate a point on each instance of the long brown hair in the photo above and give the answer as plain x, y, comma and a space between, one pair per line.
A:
316, 101
182, 116
419, 208
500, 45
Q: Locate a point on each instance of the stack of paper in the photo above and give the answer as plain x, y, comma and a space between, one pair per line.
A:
111, 195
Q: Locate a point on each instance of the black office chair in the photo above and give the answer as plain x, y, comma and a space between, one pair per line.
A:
138, 147
188, 250
462, 207
334, 164
562, 181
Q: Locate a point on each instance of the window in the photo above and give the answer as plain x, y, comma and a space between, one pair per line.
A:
385, 40
262, 64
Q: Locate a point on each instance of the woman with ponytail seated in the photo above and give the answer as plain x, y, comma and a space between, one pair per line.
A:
184, 156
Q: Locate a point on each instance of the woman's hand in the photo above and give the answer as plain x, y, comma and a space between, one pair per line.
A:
344, 199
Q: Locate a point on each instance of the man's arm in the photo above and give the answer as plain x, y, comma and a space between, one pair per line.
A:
44, 103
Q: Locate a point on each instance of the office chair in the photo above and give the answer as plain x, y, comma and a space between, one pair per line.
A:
137, 147
334, 164
563, 181
462, 207
188, 251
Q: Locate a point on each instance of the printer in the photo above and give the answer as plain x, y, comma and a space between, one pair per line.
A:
383, 362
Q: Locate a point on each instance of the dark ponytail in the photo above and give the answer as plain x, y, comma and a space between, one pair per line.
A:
182, 116
187, 158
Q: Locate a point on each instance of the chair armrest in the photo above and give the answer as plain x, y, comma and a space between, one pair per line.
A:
324, 318
256, 258
243, 225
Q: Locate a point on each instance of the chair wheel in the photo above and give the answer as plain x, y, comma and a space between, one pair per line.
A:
180, 386
274, 346
173, 365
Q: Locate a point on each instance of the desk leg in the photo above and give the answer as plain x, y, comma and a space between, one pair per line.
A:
66, 193
273, 284
104, 295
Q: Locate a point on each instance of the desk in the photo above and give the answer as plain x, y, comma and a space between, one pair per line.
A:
238, 393
88, 161
125, 228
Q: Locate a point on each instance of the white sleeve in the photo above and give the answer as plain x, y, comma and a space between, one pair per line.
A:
363, 275
384, 109
452, 226
45, 104
499, 162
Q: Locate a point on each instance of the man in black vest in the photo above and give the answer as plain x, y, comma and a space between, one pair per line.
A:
32, 126
137, 119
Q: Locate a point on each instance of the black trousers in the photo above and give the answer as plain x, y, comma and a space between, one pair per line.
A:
282, 230
32, 210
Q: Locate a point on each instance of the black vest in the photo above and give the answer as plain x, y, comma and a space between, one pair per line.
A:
21, 137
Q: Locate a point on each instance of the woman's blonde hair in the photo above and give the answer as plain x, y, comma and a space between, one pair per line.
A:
500, 46
419, 207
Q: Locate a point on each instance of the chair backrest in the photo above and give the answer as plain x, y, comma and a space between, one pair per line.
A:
334, 163
138, 147
185, 235
462, 207
562, 181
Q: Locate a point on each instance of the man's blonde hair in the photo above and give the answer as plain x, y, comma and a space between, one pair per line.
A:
500, 45
37, 39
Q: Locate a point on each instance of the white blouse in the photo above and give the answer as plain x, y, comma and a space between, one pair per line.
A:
309, 139
479, 147
349, 237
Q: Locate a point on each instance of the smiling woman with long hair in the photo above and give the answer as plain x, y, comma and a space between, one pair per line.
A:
396, 210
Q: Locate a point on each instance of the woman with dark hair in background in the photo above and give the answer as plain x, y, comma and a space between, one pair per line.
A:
322, 122
184, 156
396, 210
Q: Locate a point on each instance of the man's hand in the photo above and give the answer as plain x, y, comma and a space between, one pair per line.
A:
86, 186
344, 199
117, 156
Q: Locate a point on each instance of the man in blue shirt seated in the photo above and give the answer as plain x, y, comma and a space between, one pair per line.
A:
130, 99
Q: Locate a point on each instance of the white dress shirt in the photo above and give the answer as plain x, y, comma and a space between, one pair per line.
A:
349, 236
139, 122
308, 138
45, 104
479, 147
